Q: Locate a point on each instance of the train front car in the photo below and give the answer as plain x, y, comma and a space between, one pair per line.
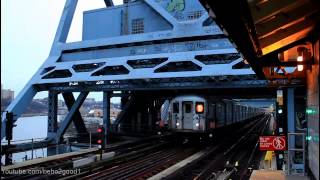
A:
188, 114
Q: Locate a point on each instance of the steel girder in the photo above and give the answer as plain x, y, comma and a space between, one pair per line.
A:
106, 114
52, 115
189, 43
68, 119
77, 118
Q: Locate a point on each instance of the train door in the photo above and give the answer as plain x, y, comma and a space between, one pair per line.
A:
187, 114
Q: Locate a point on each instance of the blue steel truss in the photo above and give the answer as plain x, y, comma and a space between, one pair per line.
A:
143, 40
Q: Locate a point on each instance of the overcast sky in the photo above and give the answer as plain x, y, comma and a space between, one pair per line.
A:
27, 31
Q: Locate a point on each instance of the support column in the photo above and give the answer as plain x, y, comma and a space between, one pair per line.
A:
133, 125
291, 129
106, 114
124, 101
291, 116
138, 121
150, 120
52, 115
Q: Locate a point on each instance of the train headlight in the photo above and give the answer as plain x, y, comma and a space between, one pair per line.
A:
197, 124
177, 124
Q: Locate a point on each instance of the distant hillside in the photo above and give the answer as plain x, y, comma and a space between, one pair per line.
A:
41, 108
36, 108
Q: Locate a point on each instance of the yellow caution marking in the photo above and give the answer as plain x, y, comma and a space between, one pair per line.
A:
268, 156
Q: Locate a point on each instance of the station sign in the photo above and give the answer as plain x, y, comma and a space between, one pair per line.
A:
273, 143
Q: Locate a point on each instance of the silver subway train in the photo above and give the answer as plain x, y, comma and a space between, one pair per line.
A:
190, 113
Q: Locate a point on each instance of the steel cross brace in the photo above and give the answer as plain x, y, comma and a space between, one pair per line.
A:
77, 118
75, 108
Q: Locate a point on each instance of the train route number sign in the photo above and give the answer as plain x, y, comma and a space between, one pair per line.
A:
272, 143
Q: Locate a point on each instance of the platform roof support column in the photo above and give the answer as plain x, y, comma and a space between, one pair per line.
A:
291, 116
66, 122
106, 113
52, 115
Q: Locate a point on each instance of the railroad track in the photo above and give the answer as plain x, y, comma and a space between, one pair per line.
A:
142, 168
139, 165
219, 162
67, 162
144, 160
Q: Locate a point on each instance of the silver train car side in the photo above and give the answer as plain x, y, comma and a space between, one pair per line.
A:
190, 113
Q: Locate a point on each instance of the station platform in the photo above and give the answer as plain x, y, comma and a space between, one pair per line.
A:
274, 175
268, 164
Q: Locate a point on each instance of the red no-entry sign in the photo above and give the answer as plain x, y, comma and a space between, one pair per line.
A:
272, 143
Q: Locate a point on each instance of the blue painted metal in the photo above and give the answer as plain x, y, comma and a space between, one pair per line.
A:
177, 34
66, 122
293, 165
126, 105
106, 114
52, 115
19, 104
77, 118
108, 2
63, 27
291, 116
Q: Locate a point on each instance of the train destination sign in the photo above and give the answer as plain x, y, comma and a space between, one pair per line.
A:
272, 143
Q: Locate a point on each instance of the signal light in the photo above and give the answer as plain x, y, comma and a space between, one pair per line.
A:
9, 126
300, 67
101, 136
308, 138
300, 58
199, 107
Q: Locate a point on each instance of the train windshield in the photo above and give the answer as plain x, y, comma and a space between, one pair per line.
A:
175, 107
187, 108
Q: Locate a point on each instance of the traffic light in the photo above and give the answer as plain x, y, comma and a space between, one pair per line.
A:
9, 125
101, 136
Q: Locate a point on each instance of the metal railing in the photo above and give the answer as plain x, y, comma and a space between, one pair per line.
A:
296, 168
38, 145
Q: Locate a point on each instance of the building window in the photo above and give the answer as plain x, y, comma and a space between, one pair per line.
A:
137, 26
194, 15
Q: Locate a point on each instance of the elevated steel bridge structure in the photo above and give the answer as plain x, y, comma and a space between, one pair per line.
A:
137, 46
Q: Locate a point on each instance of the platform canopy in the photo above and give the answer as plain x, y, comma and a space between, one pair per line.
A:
270, 33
